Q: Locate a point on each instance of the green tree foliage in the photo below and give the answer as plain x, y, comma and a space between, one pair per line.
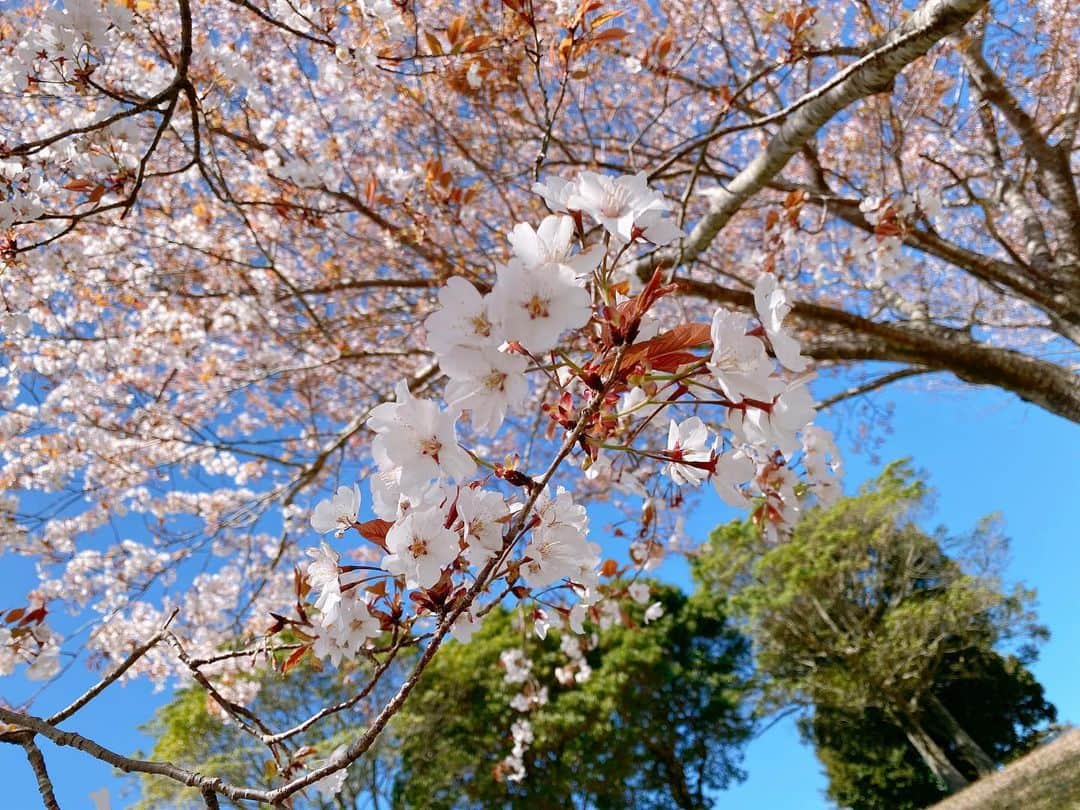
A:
863, 614
872, 766
659, 723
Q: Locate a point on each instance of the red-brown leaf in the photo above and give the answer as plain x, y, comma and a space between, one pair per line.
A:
670, 350
375, 531
294, 659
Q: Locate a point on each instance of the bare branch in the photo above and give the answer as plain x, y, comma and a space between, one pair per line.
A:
872, 74
37, 763
123, 667
871, 385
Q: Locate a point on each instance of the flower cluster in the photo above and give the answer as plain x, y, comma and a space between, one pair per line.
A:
518, 671
451, 523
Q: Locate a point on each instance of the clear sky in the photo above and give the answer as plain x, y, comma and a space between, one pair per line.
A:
985, 451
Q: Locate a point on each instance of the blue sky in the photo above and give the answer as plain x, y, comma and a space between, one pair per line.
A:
984, 450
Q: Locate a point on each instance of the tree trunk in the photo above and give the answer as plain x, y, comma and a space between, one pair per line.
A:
970, 750
933, 756
681, 793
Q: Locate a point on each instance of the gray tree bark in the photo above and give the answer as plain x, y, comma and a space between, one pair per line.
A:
934, 757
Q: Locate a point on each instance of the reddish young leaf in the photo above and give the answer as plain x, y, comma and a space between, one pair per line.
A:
670, 350
294, 659
375, 531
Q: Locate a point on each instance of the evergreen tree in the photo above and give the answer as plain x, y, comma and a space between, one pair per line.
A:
862, 614
870, 764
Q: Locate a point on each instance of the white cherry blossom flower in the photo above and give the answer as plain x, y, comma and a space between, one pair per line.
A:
462, 321
473, 77
536, 306
657, 228
688, 445
514, 768
420, 547
322, 574
330, 786
639, 592
527, 701
732, 471
339, 513
576, 620
792, 411
772, 307
615, 203
654, 612
357, 624
552, 243
516, 665
739, 360
823, 463
483, 514
556, 191
418, 438
465, 626
390, 503
633, 400
558, 547
487, 383
541, 624
46, 661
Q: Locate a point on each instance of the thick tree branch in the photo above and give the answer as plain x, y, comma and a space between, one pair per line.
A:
1058, 305
845, 336
1053, 162
872, 74
37, 764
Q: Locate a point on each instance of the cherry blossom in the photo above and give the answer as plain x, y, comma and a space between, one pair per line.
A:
322, 574
558, 547
484, 515
465, 626
732, 471
418, 438
772, 307
337, 514
486, 382
552, 243
778, 425
690, 448
420, 547
540, 303
738, 359
617, 203
462, 321
331, 785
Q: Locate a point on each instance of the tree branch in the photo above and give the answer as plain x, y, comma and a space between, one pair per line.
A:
871, 385
37, 764
123, 667
872, 74
842, 335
